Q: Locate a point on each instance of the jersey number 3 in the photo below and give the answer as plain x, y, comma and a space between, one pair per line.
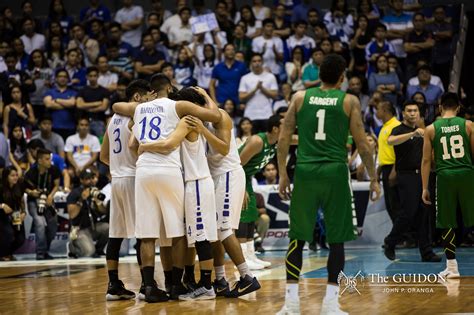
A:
153, 128
118, 147
320, 134
457, 147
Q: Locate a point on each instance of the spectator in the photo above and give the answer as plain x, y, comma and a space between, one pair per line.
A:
130, 18
42, 76
372, 123
431, 92
299, 12
95, 10
61, 100
82, 149
262, 224
121, 66
12, 214
378, 46
174, 20
257, 90
13, 77
93, 101
158, 9
204, 68
310, 76
31, 40
270, 46
313, 21
294, 69
285, 101
442, 52
260, 11
168, 70
418, 44
254, 26
23, 57
244, 131
55, 52
270, 175
384, 81
320, 33
241, 42
394, 67
199, 8
282, 25
119, 94
370, 11
355, 87
97, 32
182, 34
75, 70
42, 183
115, 36
18, 112
300, 39
399, 25
4, 151
51, 140
4, 48
159, 43
224, 19
233, 112
184, 67
355, 163
18, 152
226, 75
435, 80
199, 40
57, 13
85, 213
89, 46
107, 79
27, 12
358, 45
149, 60
55, 29
339, 22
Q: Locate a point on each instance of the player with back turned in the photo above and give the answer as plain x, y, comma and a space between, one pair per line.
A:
452, 139
324, 116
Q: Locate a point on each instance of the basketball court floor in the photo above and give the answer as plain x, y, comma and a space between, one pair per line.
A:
371, 285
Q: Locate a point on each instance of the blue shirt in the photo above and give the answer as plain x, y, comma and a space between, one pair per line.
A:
101, 13
58, 161
229, 80
62, 118
432, 93
310, 73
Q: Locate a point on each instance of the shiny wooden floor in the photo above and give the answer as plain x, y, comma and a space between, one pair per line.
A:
78, 287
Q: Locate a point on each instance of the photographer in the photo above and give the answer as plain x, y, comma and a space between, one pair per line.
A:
12, 214
88, 214
41, 183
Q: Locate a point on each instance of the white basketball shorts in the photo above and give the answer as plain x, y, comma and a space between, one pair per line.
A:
122, 208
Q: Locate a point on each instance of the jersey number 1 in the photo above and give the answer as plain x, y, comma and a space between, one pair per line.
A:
457, 147
320, 134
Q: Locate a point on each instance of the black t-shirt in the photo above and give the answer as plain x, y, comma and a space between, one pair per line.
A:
34, 180
408, 155
149, 59
413, 37
82, 219
97, 94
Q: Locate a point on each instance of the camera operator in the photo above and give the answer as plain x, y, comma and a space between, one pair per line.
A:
41, 183
88, 216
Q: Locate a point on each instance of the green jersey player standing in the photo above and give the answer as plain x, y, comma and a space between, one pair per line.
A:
324, 116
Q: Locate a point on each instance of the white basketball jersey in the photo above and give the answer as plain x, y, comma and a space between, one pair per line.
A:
154, 121
219, 164
194, 159
122, 161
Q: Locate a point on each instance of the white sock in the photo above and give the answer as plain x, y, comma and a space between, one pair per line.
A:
220, 272
244, 270
332, 291
250, 248
244, 249
452, 264
292, 292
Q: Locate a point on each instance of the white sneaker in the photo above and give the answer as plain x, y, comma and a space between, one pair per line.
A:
331, 307
253, 257
449, 273
253, 265
290, 308
200, 293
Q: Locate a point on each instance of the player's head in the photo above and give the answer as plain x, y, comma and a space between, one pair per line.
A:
273, 125
449, 101
332, 69
411, 111
191, 95
137, 90
161, 84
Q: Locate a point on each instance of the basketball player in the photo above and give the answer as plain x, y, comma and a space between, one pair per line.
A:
121, 161
159, 188
452, 139
324, 116
255, 154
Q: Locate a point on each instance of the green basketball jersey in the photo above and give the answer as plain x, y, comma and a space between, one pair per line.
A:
451, 144
323, 127
258, 161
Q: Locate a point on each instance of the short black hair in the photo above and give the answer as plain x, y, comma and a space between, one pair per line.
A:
191, 95
92, 69
388, 106
41, 152
273, 121
321, 25
255, 54
410, 102
58, 71
423, 67
114, 25
268, 21
159, 82
82, 117
418, 14
301, 22
332, 67
123, 81
10, 55
45, 117
450, 100
380, 25
35, 144
316, 49
166, 65
228, 44
137, 86
184, 9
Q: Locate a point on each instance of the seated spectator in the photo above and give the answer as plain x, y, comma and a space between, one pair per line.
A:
95, 10
168, 70
326, 46
285, 101
254, 26
130, 18
42, 76
22, 56
18, 112
61, 100
51, 140
57, 13
31, 40
97, 31
371, 122
241, 42
270, 174
270, 46
355, 88
294, 69
282, 25
27, 12
355, 162
115, 36
418, 44
158, 9
149, 60
358, 44
378, 46
55, 29
435, 80
310, 76
320, 33
12, 214
82, 149
42, 183
122, 66
106, 78
12, 77
370, 11
244, 131
394, 67
75, 70
260, 11
384, 81
432, 92
258, 89
19, 157
55, 52
398, 24
313, 20
204, 68
89, 46
85, 214
93, 101
300, 39
159, 43
181, 35
184, 67
339, 21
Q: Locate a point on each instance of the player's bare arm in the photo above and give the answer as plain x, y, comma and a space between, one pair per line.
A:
125, 108
105, 149
287, 130
470, 133
358, 133
171, 143
252, 147
184, 108
426, 163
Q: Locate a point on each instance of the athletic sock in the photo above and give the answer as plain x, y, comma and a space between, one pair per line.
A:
452, 264
292, 292
189, 274
177, 275
220, 272
113, 276
250, 249
332, 291
148, 275
206, 279
168, 278
244, 270
141, 273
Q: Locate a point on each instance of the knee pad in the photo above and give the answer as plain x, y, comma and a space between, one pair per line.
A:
204, 250
113, 248
223, 234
